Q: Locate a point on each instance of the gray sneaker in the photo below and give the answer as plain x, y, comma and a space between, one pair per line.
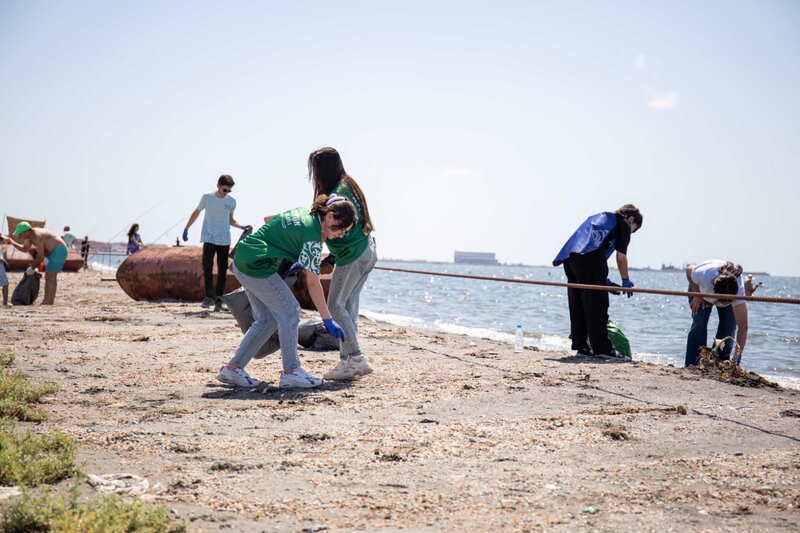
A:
208, 302
219, 306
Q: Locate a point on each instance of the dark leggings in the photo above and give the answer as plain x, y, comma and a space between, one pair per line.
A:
588, 309
208, 268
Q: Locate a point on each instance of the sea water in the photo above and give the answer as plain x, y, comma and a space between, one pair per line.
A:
657, 326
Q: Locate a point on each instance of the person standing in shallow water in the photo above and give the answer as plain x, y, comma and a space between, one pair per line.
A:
296, 235
355, 258
585, 259
715, 276
216, 237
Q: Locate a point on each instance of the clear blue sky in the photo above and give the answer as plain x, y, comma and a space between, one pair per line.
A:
490, 126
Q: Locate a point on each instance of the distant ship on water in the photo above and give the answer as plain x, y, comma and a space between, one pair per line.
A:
475, 258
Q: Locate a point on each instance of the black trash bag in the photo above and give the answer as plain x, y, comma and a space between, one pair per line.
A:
27, 290
239, 306
312, 335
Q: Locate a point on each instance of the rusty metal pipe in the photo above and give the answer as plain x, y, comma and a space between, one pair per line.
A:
177, 273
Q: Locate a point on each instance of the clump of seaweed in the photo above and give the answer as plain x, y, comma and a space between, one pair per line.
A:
711, 366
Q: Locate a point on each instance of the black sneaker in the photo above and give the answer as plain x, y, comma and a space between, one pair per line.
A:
612, 354
208, 302
586, 352
219, 306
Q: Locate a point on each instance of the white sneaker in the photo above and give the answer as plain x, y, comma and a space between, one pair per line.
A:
299, 379
349, 369
237, 377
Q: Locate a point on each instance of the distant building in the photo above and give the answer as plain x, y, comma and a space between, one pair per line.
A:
475, 258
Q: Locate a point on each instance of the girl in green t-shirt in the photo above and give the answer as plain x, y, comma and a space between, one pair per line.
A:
296, 235
355, 259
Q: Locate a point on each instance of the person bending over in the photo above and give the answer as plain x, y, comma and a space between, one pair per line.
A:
296, 235
48, 245
585, 259
355, 258
715, 276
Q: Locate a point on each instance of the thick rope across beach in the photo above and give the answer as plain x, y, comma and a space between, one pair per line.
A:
608, 288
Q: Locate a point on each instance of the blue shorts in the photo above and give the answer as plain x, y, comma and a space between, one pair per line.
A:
56, 259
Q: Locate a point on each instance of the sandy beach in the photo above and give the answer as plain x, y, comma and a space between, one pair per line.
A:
450, 433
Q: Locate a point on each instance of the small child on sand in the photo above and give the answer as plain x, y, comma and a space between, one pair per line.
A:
3, 277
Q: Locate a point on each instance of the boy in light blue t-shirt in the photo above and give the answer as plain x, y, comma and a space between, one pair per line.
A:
216, 237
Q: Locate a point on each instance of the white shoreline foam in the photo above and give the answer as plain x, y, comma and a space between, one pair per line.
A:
544, 341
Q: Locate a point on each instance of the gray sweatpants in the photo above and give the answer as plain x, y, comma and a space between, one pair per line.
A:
274, 308
345, 291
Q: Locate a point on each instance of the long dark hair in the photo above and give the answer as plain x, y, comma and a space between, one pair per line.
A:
343, 211
132, 231
326, 170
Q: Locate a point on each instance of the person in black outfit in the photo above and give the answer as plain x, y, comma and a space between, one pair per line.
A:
585, 259
85, 252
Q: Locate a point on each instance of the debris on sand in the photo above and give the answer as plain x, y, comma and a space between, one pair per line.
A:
729, 372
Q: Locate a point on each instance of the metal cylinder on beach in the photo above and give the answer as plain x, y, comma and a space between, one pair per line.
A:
177, 274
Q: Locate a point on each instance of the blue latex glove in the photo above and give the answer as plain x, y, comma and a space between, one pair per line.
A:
612, 284
333, 328
248, 229
627, 284
5, 265
295, 266
185, 234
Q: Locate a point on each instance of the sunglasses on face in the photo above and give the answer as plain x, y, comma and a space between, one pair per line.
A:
225, 190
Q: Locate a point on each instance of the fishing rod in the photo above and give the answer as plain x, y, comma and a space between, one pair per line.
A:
168, 230
134, 220
608, 288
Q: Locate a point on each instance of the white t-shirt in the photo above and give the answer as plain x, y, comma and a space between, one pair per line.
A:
217, 220
69, 238
704, 275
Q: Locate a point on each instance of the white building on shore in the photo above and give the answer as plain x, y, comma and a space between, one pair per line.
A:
475, 258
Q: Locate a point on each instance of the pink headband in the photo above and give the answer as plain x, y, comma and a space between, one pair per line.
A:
335, 198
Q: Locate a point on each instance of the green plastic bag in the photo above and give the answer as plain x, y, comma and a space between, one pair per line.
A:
619, 340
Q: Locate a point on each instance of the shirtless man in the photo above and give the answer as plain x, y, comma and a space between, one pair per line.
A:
48, 245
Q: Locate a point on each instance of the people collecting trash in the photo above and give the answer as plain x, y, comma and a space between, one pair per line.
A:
296, 235
50, 249
585, 259
219, 206
355, 258
716, 276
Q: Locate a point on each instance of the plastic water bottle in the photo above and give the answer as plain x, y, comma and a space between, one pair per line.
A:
518, 336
